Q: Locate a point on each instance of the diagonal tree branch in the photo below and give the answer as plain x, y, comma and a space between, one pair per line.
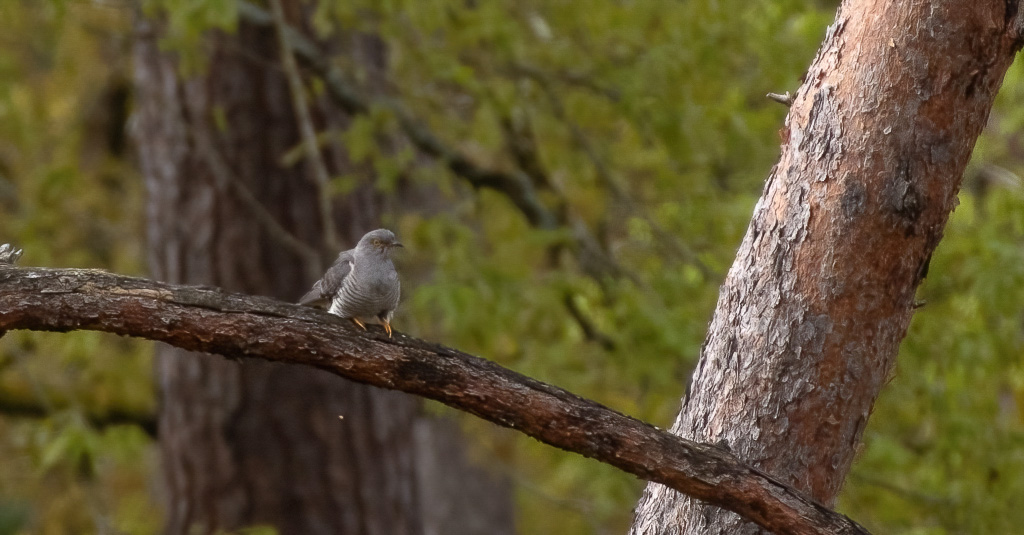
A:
606, 175
300, 106
226, 178
516, 186
239, 326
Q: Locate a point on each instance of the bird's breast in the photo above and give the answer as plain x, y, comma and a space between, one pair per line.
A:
366, 292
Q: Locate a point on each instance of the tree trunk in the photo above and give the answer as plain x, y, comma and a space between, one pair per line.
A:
812, 312
258, 443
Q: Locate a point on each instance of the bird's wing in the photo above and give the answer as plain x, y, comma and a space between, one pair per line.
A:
325, 288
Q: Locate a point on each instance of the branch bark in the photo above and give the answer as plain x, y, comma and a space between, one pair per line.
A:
241, 327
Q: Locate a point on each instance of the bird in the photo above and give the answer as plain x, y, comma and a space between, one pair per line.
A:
362, 284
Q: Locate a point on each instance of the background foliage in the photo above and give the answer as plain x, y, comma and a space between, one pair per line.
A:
649, 120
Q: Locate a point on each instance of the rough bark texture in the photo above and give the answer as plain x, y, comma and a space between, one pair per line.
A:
245, 327
822, 290
252, 443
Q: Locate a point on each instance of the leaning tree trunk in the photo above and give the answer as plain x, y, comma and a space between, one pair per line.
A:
255, 443
813, 310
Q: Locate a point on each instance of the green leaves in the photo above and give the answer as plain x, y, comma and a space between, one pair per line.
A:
68, 200
661, 100
188, 22
943, 442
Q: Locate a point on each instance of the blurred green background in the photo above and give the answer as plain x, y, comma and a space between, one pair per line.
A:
649, 118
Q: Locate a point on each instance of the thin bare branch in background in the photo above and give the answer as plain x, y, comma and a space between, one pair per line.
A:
226, 178
606, 175
309, 140
515, 186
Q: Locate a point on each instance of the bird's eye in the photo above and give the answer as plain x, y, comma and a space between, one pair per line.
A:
376, 242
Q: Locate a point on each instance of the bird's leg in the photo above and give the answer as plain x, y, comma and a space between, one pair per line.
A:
387, 326
359, 323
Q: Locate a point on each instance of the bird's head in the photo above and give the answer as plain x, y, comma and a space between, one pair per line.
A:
380, 241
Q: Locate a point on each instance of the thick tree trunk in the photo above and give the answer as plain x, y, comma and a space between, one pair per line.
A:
822, 290
257, 443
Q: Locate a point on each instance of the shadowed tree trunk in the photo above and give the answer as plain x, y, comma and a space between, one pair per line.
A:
247, 443
812, 312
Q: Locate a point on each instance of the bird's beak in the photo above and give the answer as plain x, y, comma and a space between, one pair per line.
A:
397, 244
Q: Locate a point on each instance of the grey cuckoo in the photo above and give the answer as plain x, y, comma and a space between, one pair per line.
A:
362, 285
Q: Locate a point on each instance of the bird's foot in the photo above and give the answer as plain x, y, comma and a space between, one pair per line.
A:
359, 323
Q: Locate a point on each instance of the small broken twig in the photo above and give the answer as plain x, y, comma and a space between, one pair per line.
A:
785, 99
9, 255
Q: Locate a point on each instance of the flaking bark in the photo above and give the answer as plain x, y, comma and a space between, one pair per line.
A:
811, 315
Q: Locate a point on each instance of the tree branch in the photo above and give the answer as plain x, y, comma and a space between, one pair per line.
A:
226, 178
301, 109
784, 98
515, 186
239, 326
9, 255
607, 176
